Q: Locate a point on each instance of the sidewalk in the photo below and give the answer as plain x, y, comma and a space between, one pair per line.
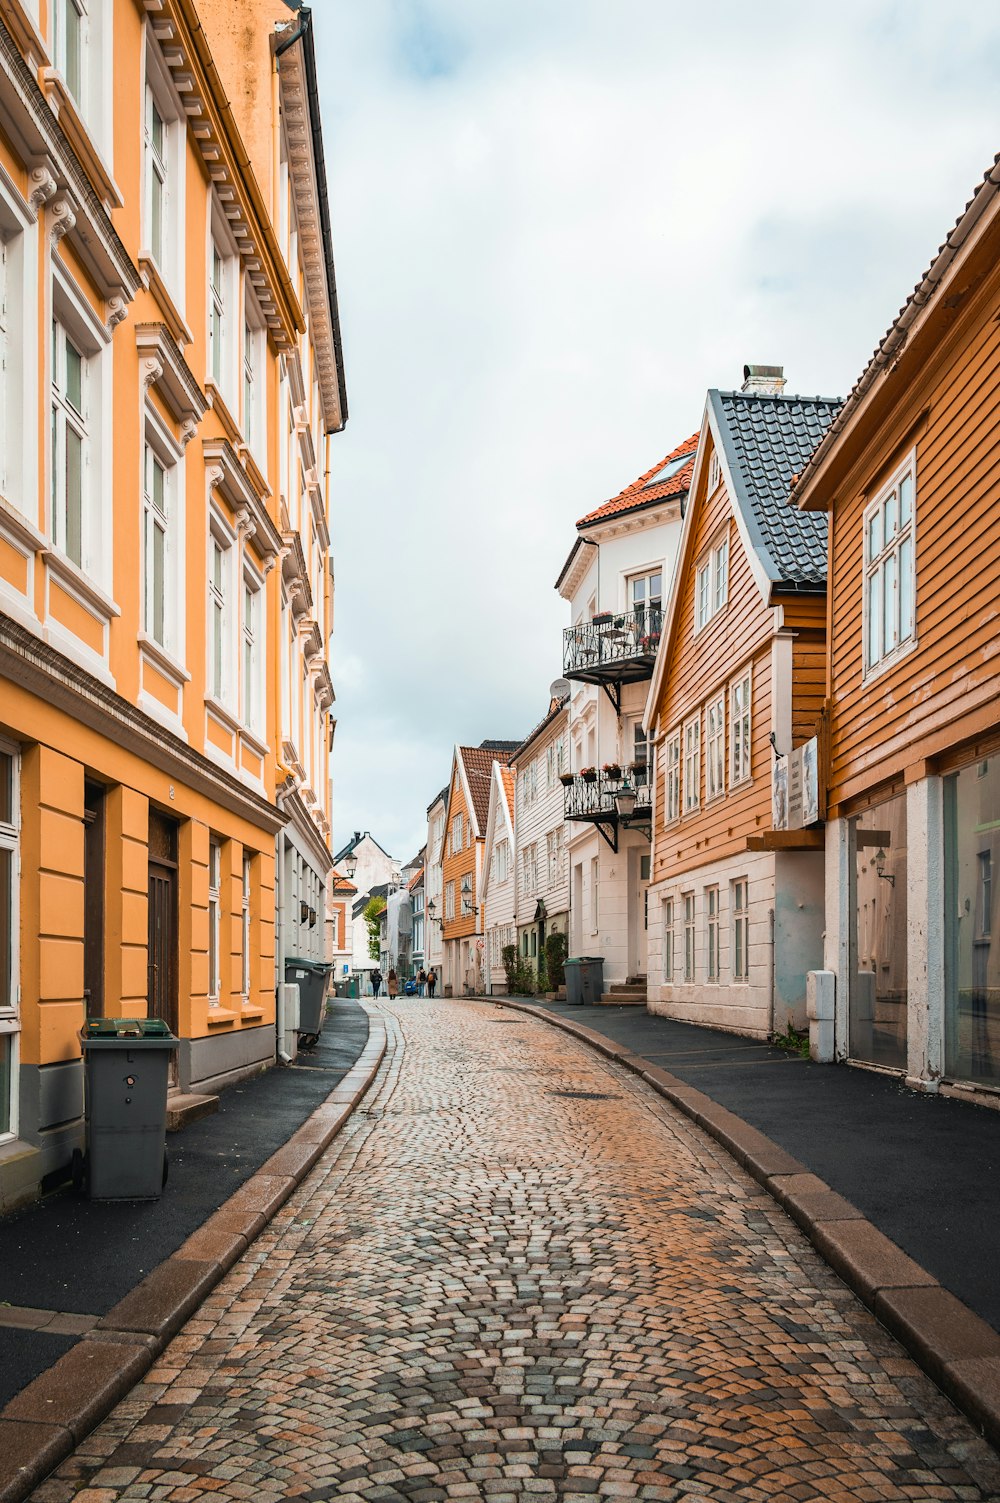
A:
65, 1262
830, 1142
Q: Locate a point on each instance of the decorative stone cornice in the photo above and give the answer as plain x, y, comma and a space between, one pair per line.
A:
43, 186
252, 518
61, 218
175, 379
29, 118
150, 371
117, 312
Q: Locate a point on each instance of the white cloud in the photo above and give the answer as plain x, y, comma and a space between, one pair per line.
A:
556, 225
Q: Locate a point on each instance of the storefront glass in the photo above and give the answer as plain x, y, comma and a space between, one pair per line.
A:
879, 983
972, 961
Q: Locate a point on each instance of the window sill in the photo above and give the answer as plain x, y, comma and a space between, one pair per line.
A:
15, 523
222, 409
161, 659
172, 315
220, 1017
223, 713
886, 664
68, 573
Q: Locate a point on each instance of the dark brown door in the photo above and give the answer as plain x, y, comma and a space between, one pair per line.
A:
162, 955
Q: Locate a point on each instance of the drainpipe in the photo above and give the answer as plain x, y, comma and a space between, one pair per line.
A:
770, 1000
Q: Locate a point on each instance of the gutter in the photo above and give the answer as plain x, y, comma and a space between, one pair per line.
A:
896, 337
304, 34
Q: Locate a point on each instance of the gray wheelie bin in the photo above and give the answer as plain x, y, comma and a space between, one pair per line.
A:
310, 978
591, 979
584, 980
127, 1062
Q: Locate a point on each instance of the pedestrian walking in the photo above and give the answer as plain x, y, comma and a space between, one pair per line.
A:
422, 982
392, 982
432, 981
376, 982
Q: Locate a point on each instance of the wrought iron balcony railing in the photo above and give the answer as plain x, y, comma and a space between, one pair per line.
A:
614, 648
593, 798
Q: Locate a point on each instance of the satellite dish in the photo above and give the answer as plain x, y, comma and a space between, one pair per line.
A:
559, 688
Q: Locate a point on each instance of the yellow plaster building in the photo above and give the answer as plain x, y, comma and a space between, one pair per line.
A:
170, 378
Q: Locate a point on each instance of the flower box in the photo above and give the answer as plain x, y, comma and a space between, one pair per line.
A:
612, 769
589, 774
566, 779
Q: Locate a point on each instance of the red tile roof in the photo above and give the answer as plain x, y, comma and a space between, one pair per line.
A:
642, 493
415, 881
342, 884
478, 763
508, 787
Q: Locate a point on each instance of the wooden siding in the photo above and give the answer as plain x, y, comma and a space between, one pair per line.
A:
946, 687
459, 864
704, 665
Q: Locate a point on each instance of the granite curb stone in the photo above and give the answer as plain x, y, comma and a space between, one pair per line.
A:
957, 1349
42, 1424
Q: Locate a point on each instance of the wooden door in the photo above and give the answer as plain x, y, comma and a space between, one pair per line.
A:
162, 940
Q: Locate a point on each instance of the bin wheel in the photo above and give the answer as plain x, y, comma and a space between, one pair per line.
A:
78, 1171
166, 1170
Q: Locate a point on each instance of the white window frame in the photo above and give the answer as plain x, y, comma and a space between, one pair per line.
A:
10, 991
672, 777
214, 920
19, 349
253, 365
165, 166
160, 446
712, 582
245, 933
741, 729
712, 935
90, 91
669, 941
886, 568
73, 314
690, 937
714, 471
253, 648
449, 900
70, 424
692, 765
456, 833
221, 536
715, 748
502, 855
740, 907
223, 308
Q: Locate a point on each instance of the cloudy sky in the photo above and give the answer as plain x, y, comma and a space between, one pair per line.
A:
557, 223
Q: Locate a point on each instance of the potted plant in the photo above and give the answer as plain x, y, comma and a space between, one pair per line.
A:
601, 619
566, 779
612, 769
588, 774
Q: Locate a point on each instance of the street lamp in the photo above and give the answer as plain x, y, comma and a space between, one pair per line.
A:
350, 866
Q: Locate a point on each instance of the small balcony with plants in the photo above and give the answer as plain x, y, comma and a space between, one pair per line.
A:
612, 797
615, 648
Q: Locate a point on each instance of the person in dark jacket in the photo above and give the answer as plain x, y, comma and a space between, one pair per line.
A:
376, 982
432, 981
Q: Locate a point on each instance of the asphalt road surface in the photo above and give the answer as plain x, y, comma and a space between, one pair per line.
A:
519, 1273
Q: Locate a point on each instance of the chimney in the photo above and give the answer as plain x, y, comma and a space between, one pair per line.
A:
357, 837
764, 380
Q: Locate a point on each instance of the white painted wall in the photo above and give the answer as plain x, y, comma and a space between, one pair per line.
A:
434, 886
535, 819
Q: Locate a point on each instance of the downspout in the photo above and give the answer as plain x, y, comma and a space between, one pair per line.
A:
770, 989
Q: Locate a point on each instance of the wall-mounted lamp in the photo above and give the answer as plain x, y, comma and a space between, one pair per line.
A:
880, 870
312, 918
625, 805
303, 913
350, 865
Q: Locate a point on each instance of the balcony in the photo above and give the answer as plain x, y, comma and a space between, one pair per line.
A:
613, 649
591, 800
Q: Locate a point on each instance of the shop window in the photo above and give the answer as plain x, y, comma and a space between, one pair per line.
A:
689, 936
972, 960
741, 929
10, 822
879, 992
668, 940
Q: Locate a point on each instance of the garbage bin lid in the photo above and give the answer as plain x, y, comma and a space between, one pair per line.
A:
307, 965
124, 1028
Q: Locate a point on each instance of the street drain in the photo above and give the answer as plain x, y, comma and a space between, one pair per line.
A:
586, 1095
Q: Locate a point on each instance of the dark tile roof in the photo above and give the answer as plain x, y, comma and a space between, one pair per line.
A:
766, 440
478, 763
556, 707
651, 487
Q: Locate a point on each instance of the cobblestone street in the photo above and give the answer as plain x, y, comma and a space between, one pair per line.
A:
519, 1273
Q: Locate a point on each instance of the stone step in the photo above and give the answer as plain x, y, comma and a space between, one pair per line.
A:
627, 997
183, 1109
628, 986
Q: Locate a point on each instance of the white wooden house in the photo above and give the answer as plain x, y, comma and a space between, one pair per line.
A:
542, 870
498, 885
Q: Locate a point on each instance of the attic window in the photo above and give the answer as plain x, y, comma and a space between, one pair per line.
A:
669, 470
714, 472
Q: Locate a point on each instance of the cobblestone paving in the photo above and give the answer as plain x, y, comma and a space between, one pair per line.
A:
520, 1274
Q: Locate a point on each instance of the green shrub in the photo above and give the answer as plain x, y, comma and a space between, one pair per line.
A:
555, 955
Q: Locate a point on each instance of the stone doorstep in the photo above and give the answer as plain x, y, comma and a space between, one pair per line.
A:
957, 1349
44, 1422
183, 1109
